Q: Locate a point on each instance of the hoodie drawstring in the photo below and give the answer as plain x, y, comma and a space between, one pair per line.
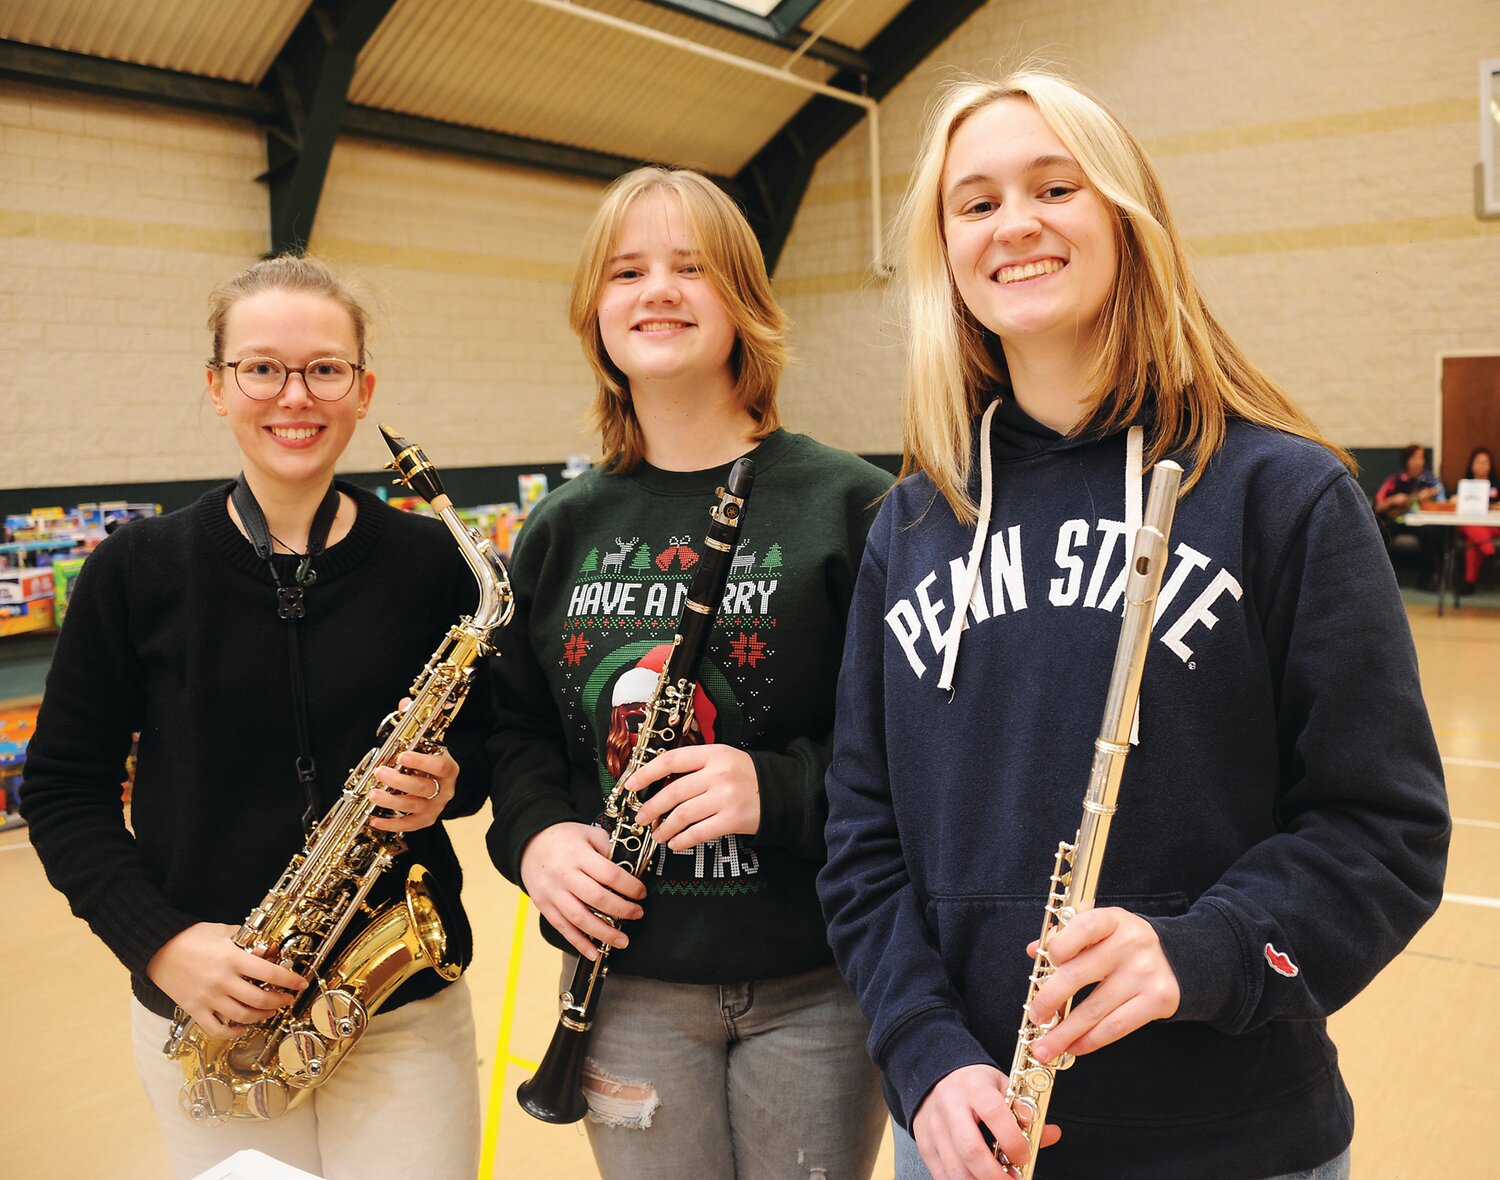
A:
1134, 446
1134, 458
981, 531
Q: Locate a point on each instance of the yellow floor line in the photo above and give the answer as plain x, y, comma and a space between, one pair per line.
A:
503, 1058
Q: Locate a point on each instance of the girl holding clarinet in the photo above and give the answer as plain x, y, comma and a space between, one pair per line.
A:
726, 1044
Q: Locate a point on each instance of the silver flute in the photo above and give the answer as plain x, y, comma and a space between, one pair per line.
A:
1075, 873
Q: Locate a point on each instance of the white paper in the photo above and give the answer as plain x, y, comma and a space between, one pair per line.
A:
253, 1165
1473, 495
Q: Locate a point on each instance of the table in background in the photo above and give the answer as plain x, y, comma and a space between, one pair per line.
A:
1452, 521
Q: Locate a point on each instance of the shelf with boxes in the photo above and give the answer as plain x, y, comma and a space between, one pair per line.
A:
41, 552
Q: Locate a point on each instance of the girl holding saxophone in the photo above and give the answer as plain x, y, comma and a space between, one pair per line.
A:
178, 631
1282, 828
725, 1045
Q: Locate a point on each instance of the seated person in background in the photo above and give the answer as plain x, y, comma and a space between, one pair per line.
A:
1403, 492
1410, 487
1480, 537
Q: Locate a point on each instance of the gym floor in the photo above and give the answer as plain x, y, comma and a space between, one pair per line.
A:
1420, 1047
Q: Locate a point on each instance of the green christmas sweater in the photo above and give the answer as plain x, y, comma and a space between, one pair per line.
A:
600, 574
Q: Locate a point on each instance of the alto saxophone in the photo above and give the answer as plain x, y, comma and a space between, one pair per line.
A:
272, 1066
554, 1093
1075, 873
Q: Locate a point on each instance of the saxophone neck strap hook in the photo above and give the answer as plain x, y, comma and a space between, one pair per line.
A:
289, 599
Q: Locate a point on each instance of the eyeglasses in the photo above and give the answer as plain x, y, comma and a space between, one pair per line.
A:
264, 377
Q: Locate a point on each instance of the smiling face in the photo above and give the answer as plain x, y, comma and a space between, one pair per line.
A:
661, 319
1031, 245
293, 439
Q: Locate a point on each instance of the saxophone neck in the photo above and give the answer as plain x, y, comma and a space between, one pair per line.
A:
496, 603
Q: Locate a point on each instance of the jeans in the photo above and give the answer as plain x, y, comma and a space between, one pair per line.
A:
766, 1080
404, 1104
909, 1165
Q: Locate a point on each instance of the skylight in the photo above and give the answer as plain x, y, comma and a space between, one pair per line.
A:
759, 7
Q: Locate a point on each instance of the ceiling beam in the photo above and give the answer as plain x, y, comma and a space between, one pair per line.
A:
787, 36
40, 66
494, 146
497, 147
81, 73
776, 178
310, 81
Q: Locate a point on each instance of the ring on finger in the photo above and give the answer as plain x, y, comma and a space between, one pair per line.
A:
437, 789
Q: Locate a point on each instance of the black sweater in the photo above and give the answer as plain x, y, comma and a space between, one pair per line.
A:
172, 633
600, 572
1282, 822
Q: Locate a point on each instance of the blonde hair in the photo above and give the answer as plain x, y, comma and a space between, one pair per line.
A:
285, 272
729, 257
1157, 341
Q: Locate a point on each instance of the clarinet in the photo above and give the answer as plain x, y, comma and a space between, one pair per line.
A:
1075, 873
555, 1093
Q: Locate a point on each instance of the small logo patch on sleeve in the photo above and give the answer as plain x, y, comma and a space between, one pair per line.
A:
1281, 963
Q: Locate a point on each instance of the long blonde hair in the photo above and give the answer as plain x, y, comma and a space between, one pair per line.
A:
729, 257
1157, 341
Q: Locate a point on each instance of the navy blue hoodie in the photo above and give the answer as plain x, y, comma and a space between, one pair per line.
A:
1282, 822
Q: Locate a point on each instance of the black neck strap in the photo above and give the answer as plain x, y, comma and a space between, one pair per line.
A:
290, 607
289, 604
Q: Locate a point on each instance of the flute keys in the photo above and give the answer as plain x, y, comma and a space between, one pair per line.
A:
1025, 1110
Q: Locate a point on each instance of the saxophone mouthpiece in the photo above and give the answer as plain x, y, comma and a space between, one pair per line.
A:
411, 465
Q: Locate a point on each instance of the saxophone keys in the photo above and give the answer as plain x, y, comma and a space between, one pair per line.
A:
1038, 1080
247, 1054
1064, 1061
208, 1101
266, 1098
302, 1056
338, 1014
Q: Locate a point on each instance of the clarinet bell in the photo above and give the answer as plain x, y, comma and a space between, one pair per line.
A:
554, 1093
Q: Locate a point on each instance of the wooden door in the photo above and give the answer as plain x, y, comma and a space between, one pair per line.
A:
1471, 411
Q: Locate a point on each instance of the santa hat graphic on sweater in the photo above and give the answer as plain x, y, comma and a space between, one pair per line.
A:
635, 686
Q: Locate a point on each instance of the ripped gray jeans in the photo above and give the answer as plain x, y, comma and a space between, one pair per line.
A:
753, 1081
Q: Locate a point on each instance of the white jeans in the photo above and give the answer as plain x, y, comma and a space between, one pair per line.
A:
404, 1104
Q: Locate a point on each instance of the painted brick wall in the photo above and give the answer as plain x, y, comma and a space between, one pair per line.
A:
117, 219
1319, 158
